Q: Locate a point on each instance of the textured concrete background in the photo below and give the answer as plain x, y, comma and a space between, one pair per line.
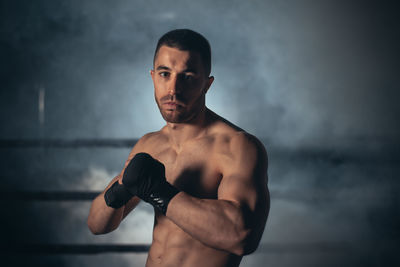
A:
316, 81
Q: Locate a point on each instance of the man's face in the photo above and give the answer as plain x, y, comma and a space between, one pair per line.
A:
180, 84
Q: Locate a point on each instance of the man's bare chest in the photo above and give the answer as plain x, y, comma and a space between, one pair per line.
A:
193, 169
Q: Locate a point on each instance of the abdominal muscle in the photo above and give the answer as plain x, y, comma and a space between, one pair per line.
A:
172, 247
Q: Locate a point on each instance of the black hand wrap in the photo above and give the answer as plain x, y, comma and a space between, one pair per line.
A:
161, 196
117, 196
145, 177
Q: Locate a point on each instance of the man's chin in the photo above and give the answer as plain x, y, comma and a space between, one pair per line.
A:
174, 117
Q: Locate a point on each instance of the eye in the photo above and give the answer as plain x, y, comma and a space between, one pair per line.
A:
188, 77
164, 74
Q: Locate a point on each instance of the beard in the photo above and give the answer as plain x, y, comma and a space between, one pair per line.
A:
182, 113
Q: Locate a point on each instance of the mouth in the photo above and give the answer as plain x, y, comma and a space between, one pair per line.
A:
170, 105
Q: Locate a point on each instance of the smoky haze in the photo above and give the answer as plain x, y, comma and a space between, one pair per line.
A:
316, 81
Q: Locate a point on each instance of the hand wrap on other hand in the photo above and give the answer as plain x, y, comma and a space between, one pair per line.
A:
117, 196
145, 177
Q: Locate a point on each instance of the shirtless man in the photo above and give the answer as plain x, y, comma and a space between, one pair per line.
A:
205, 177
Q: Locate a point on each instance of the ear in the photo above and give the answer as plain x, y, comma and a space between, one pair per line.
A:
152, 72
209, 82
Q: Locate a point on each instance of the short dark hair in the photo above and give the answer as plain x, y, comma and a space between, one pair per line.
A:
187, 40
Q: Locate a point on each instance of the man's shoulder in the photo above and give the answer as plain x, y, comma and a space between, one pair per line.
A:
150, 140
239, 140
231, 138
152, 136
225, 129
237, 151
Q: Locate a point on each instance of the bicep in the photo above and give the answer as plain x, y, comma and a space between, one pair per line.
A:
245, 177
250, 194
245, 191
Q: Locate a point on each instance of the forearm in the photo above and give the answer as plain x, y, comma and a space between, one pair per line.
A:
216, 223
103, 219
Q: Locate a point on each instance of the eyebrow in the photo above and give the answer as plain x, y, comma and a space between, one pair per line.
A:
162, 67
190, 70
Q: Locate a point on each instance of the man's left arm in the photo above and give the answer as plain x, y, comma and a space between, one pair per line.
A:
235, 221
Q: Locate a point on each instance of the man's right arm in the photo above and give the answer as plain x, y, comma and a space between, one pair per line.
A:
103, 219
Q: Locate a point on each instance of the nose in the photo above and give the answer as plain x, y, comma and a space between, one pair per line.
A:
173, 86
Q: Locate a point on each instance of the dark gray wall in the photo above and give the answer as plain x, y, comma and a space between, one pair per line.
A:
316, 81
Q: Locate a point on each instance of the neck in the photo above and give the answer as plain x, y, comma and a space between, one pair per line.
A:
179, 133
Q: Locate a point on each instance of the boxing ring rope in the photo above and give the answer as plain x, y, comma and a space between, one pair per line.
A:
335, 157
90, 195
83, 249
63, 143
73, 248
337, 247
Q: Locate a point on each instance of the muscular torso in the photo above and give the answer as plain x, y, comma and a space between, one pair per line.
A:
195, 169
